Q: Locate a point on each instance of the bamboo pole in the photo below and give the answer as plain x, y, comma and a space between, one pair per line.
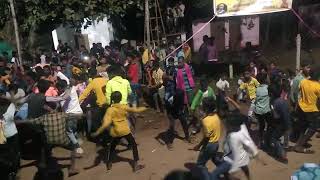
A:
16, 29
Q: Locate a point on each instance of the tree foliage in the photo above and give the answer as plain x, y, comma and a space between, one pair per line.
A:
50, 13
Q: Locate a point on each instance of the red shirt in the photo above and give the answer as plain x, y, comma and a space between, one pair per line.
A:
133, 73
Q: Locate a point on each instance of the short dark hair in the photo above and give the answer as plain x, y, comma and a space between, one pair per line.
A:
275, 91
61, 84
234, 121
13, 87
43, 85
92, 72
116, 97
115, 70
4, 104
315, 73
204, 81
209, 104
262, 78
305, 64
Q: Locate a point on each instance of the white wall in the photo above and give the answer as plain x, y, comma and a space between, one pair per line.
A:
101, 31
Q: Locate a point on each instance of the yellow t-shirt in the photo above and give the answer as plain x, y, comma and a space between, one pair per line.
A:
145, 56
97, 85
117, 117
250, 87
212, 128
310, 94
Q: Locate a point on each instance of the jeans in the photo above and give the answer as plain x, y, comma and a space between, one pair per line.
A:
71, 127
208, 152
133, 97
222, 168
115, 141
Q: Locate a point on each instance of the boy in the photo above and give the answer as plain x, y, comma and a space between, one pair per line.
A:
212, 132
133, 75
169, 80
10, 150
250, 85
222, 86
175, 110
240, 93
309, 109
279, 125
116, 119
262, 106
157, 89
204, 91
117, 83
72, 108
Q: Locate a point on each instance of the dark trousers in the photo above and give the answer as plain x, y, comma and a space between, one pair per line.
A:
222, 168
184, 124
208, 152
273, 141
309, 122
35, 133
264, 121
10, 157
115, 141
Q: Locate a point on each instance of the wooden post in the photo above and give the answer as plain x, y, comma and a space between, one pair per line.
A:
298, 55
147, 23
231, 71
16, 29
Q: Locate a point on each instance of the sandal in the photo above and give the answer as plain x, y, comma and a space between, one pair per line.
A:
303, 150
73, 172
138, 168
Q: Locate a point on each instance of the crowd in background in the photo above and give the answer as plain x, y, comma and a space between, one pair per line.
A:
98, 92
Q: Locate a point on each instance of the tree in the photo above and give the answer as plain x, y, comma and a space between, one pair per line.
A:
46, 15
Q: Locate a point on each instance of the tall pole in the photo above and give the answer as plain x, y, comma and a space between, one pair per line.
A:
298, 55
16, 30
147, 23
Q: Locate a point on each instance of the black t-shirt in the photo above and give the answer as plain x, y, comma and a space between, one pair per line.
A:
35, 105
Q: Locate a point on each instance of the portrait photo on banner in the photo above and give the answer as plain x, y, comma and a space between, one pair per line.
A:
225, 8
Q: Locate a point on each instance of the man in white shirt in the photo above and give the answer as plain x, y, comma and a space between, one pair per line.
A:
9, 136
71, 107
15, 60
60, 75
222, 86
15, 94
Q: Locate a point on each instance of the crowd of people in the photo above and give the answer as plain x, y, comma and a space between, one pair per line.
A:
99, 91
175, 18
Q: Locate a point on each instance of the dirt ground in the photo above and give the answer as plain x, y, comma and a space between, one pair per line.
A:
160, 161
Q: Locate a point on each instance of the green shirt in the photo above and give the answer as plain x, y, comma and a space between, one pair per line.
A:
262, 102
295, 92
197, 100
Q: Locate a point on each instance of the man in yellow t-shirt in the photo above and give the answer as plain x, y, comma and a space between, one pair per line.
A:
250, 85
212, 132
309, 110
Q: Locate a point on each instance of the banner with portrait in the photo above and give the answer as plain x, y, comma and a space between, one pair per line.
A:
224, 8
